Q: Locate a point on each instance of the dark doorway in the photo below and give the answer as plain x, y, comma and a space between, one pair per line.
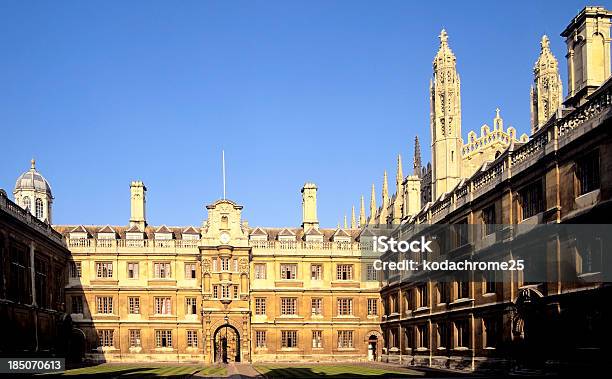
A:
227, 344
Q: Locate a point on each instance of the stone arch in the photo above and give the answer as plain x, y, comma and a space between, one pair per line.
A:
221, 348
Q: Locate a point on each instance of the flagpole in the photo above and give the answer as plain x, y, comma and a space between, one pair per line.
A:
223, 158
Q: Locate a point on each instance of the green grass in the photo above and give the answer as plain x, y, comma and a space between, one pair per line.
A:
133, 371
339, 371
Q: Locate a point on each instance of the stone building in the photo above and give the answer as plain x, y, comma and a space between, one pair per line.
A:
486, 191
222, 291
33, 260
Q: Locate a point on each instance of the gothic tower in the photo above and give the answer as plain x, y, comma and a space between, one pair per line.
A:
309, 206
445, 99
547, 90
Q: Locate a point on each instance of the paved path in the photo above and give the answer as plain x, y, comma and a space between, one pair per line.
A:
238, 371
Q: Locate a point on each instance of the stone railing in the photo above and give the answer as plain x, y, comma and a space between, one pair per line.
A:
301, 246
110, 245
26, 217
544, 142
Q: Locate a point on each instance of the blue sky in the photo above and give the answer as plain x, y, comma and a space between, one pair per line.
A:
105, 92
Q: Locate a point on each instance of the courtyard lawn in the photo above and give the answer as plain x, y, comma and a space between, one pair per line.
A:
340, 371
170, 371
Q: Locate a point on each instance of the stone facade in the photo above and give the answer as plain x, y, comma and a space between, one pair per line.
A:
33, 257
559, 175
224, 291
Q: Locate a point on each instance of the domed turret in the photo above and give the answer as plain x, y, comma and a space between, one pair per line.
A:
33, 192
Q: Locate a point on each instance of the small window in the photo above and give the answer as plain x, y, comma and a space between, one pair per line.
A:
260, 306
372, 307
443, 293
77, 304
422, 336
288, 271
288, 306
288, 338
531, 200
443, 336
344, 272
587, 173
191, 307
317, 338
104, 304
489, 281
104, 269
190, 270
316, 271
462, 332
317, 306
161, 270
134, 338
132, 270
463, 286
39, 208
163, 306
345, 307
488, 220
371, 273
134, 305
423, 295
75, 269
106, 337
26, 203
345, 339
491, 332
260, 271
192, 338
260, 338
163, 338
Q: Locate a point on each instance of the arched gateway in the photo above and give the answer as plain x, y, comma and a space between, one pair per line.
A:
226, 344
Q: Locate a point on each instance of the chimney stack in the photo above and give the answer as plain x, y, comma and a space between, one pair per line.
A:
309, 206
137, 204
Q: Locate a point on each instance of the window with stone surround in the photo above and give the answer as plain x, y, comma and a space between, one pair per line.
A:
462, 334
260, 306
317, 306
317, 338
345, 339
316, 272
587, 173
260, 338
288, 271
531, 200
106, 337
163, 338
288, 305
191, 306
372, 307
132, 270
104, 269
344, 272
163, 305
161, 270
192, 338
75, 269
134, 305
104, 304
288, 338
134, 337
190, 270
345, 306
260, 271
77, 304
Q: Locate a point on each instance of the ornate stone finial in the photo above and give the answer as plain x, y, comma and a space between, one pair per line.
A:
385, 187
545, 43
345, 222
399, 175
353, 218
497, 113
33, 164
443, 37
373, 205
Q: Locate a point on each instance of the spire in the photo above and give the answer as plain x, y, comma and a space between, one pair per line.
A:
399, 176
353, 219
547, 89
385, 188
362, 214
417, 157
373, 205
345, 223
444, 50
